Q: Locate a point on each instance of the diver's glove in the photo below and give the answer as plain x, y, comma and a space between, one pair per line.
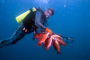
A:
48, 30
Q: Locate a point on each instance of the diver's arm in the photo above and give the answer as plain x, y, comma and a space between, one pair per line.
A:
37, 20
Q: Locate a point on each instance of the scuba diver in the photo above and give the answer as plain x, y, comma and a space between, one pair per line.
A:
29, 22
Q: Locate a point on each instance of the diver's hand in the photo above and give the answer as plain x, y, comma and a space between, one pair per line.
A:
48, 30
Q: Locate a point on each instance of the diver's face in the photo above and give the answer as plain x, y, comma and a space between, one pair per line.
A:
48, 13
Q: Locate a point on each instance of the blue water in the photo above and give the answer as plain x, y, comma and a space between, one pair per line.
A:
71, 18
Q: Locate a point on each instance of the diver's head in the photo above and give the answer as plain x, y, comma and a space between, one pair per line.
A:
49, 12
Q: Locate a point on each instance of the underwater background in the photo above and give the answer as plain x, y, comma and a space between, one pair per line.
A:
71, 18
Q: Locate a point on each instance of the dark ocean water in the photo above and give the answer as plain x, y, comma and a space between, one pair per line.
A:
72, 19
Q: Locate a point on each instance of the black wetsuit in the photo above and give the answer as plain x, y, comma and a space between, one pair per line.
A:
31, 23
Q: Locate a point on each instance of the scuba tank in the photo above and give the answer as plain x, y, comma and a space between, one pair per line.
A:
21, 17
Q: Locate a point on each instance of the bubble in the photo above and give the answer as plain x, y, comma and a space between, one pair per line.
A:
64, 5
42, 1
